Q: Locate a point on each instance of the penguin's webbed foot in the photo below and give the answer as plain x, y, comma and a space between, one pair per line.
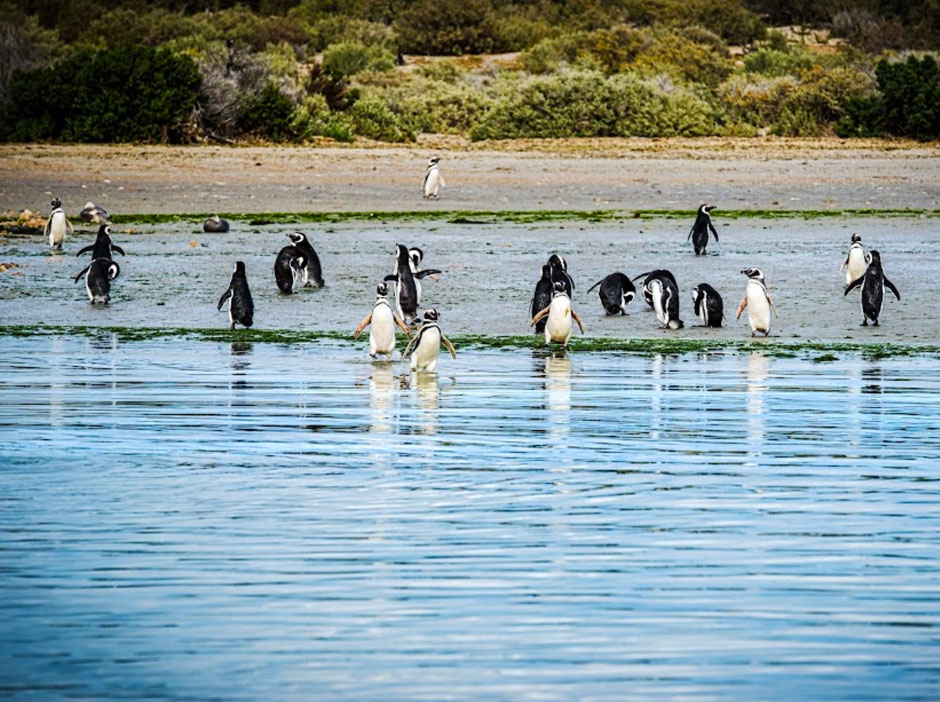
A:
875, 323
864, 322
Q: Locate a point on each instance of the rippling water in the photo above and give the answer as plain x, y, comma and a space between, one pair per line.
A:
193, 521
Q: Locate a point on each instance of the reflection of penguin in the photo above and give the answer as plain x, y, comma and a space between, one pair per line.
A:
215, 225
559, 312
241, 308
433, 180
855, 261
425, 346
93, 214
57, 226
381, 393
665, 294
708, 305
873, 289
650, 276
103, 246
699, 231
98, 276
383, 321
617, 291
758, 302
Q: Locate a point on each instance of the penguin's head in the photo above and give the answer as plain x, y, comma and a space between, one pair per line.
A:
755, 273
874, 257
417, 255
297, 238
239, 268
56, 203
215, 218
433, 161
558, 262
89, 205
401, 253
431, 315
856, 238
559, 288
104, 230
381, 290
696, 293
546, 272
706, 208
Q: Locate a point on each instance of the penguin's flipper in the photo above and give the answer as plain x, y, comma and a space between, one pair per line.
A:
596, 284
541, 314
577, 319
391, 278
853, 284
773, 306
225, 296
714, 231
411, 346
68, 225
82, 250
741, 307
425, 273
893, 289
401, 323
441, 180
570, 281
81, 273
115, 247
45, 229
641, 275
844, 264
450, 346
362, 325
689, 237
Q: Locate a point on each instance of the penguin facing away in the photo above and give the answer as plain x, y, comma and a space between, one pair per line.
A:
57, 226
98, 276
215, 225
617, 291
93, 214
406, 289
665, 294
708, 305
855, 261
758, 302
559, 268
425, 346
558, 328
699, 231
241, 308
542, 297
873, 289
383, 321
433, 180
103, 246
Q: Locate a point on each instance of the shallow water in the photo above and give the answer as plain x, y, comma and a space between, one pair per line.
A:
174, 276
193, 521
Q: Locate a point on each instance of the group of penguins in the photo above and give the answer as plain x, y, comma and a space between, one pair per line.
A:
551, 310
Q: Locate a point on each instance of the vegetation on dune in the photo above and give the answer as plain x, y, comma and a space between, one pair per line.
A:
304, 70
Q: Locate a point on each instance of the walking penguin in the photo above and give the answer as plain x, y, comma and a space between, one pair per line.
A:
241, 308
57, 226
425, 346
758, 302
433, 180
699, 231
382, 320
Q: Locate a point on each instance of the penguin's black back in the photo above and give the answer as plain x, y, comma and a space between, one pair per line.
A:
542, 298
873, 291
98, 279
314, 271
284, 270
700, 233
612, 291
406, 290
243, 307
715, 307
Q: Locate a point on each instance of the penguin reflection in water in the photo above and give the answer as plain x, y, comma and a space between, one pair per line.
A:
241, 308
873, 285
382, 320
425, 346
560, 312
758, 302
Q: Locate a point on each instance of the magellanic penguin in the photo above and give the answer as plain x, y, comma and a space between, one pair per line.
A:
542, 297
433, 180
383, 321
98, 276
855, 261
406, 288
92, 214
649, 277
708, 305
103, 246
873, 289
57, 226
665, 294
617, 291
560, 312
699, 231
241, 308
758, 302
425, 346
416, 255
297, 260
560, 272
215, 225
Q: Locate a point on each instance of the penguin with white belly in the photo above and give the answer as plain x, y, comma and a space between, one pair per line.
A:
650, 276
758, 302
433, 180
873, 285
558, 328
425, 347
855, 261
57, 226
382, 320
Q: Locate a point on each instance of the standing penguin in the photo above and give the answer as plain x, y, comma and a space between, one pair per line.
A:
383, 321
659, 273
708, 305
560, 312
617, 291
98, 276
433, 180
758, 302
215, 225
665, 294
873, 289
93, 214
542, 297
560, 272
241, 308
311, 273
57, 226
699, 231
415, 256
855, 261
425, 346
406, 288
297, 260
103, 246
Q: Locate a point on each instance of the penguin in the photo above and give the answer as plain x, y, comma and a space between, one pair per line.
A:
708, 305
699, 231
215, 225
425, 346
57, 226
311, 273
241, 308
406, 289
98, 276
650, 276
855, 261
103, 245
560, 272
617, 291
542, 297
297, 260
560, 312
383, 321
873, 289
665, 294
92, 214
415, 256
758, 302
433, 180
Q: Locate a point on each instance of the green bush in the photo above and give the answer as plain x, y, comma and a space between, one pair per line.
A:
349, 58
372, 118
116, 95
313, 118
774, 63
334, 29
269, 114
448, 28
24, 44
